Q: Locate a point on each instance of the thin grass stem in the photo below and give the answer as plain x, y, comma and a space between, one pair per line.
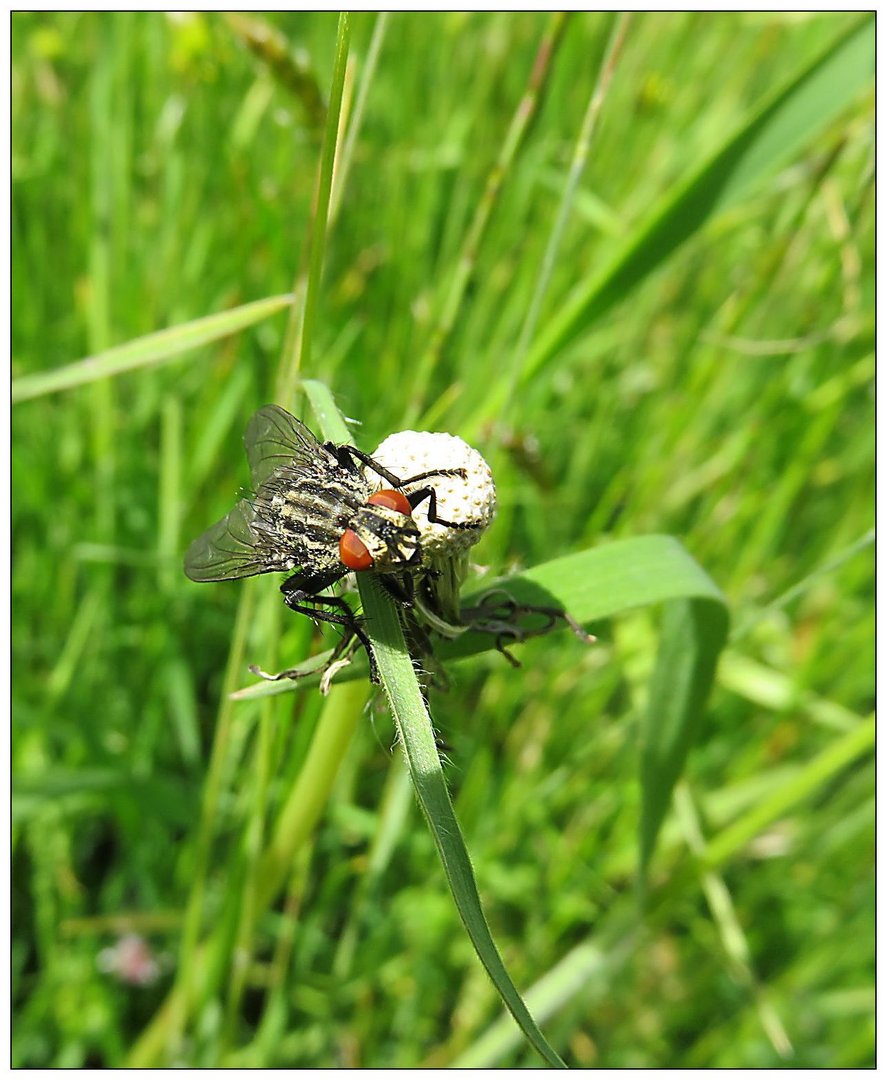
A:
577, 165
465, 265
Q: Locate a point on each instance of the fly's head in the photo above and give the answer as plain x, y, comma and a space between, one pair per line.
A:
382, 535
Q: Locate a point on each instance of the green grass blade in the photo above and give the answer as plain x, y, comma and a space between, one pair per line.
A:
148, 350
588, 964
816, 775
592, 585
601, 582
324, 187
416, 735
813, 98
692, 636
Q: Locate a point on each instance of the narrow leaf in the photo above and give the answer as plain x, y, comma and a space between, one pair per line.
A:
416, 736
767, 139
147, 351
691, 638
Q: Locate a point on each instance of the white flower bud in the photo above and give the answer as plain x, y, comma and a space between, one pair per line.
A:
470, 501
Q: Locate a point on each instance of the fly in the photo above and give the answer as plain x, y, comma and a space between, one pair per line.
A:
316, 515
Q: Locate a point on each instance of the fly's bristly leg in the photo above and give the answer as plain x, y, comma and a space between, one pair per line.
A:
341, 656
353, 636
499, 613
386, 474
301, 593
401, 588
430, 494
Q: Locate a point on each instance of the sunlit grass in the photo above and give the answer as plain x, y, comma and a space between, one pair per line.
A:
162, 173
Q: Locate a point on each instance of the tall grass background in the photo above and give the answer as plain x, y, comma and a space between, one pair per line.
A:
163, 170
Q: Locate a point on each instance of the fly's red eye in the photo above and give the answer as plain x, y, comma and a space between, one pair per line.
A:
353, 551
394, 500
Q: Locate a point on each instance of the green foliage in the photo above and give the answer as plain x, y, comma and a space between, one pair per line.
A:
270, 849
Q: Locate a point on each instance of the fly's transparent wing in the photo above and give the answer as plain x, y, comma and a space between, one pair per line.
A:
231, 548
273, 437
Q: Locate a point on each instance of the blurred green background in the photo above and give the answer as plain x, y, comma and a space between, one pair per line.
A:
163, 170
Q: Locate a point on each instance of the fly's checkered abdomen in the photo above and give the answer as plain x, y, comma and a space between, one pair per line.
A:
305, 511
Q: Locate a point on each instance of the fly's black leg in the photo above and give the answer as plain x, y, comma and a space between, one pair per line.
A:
310, 606
430, 494
498, 613
401, 588
351, 452
300, 593
513, 660
349, 620
417, 497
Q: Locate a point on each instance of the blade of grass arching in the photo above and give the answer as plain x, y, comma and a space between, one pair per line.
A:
520, 125
592, 585
599, 583
767, 139
146, 351
416, 736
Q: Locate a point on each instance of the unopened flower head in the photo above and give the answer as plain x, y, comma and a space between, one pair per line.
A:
466, 502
